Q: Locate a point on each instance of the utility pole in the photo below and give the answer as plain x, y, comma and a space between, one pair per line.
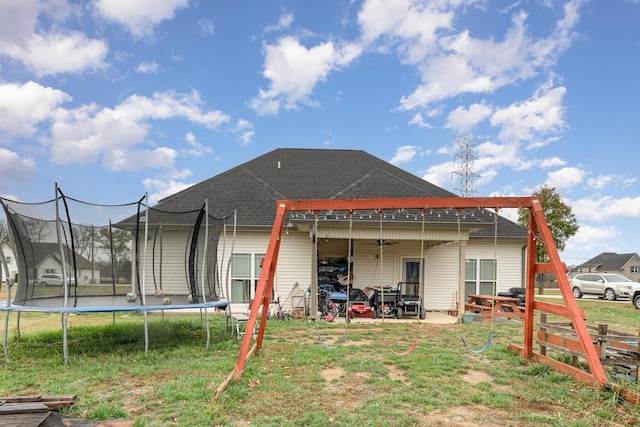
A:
464, 160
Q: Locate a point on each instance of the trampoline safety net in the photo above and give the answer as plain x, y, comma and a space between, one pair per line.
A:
112, 255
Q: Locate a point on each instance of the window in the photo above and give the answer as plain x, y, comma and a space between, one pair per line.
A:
480, 276
245, 272
8, 259
634, 269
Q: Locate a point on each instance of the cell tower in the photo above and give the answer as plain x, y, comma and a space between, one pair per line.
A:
464, 160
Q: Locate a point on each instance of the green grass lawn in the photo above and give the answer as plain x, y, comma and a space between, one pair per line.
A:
294, 381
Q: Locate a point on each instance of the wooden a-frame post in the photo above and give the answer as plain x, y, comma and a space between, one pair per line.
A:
538, 229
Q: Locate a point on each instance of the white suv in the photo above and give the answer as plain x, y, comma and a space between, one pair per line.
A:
609, 286
635, 295
53, 279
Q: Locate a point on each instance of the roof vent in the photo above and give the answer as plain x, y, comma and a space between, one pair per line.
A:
278, 164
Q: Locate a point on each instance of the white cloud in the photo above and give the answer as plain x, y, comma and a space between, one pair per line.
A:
284, 21
245, 129
412, 25
552, 162
58, 53
206, 27
294, 71
590, 239
88, 133
139, 16
196, 149
24, 106
462, 120
606, 207
159, 188
602, 181
148, 67
528, 120
13, 167
18, 19
440, 174
404, 154
47, 51
565, 177
418, 120
125, 158
452, 63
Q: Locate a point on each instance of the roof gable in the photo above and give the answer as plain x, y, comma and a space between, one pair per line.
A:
252, 188
44, 250
293, 174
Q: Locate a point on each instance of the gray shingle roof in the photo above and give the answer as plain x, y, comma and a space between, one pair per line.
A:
608, 261
252, 188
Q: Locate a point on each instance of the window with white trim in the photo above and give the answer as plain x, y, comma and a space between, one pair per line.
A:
480, 276
245, 272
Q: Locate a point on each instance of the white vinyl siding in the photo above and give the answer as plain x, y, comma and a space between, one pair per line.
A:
294, 264
510, 261
175, 278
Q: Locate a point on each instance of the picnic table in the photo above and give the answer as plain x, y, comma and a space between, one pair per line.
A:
494, 306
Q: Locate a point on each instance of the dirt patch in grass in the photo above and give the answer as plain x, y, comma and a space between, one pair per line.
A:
346, 392
396, 374
331, 374
477, 377
462, 416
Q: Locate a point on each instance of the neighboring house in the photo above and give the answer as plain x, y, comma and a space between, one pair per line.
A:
11, 263
47, 260
610, 262
252, 189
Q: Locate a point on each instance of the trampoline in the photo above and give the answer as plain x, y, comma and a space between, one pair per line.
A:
107, 267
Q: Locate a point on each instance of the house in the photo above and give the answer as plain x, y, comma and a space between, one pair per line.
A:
46, 258
11, 262
610, 262
378, 249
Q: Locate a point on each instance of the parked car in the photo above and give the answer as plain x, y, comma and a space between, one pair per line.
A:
635, 295
609, 286
53, 279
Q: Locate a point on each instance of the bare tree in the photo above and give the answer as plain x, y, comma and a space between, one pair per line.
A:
85, 238
4, 232
118, 245
38, 230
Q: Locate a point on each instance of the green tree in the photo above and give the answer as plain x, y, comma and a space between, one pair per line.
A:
560, 219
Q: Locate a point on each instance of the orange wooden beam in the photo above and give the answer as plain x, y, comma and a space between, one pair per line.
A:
568, 343
409, 203
263, 291
549, 268
560, 310
575, 373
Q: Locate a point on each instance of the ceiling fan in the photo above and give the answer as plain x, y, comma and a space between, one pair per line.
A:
382, 242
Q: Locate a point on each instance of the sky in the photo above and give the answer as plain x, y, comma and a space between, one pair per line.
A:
115, 99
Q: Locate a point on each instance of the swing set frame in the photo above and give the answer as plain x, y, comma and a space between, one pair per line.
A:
538, 230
